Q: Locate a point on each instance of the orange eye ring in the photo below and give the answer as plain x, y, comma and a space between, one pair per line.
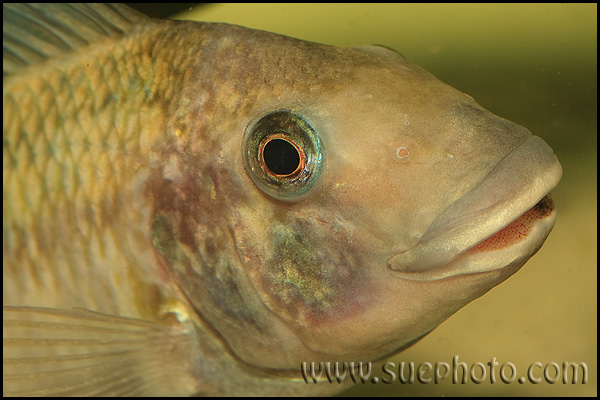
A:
279, 171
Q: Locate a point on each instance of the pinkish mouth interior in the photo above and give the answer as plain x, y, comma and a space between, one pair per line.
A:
518, 229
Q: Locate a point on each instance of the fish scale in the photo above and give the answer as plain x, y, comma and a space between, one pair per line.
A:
64, 154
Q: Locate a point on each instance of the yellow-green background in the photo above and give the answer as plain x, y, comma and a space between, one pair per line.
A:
533, 64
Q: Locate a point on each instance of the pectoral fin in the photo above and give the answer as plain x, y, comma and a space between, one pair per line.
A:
74, 352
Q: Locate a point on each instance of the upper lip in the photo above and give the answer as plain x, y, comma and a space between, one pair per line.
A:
515, 185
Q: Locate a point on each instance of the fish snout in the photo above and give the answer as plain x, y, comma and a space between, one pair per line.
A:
513, 195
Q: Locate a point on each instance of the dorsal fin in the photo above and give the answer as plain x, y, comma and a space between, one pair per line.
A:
32, 33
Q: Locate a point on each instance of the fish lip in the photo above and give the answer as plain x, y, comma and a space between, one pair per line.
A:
485, 211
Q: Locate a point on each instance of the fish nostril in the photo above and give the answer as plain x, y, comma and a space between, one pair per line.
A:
402, 153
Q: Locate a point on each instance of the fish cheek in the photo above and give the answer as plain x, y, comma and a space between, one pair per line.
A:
308, 274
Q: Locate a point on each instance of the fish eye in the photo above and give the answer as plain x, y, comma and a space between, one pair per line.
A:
279, 156
283, 155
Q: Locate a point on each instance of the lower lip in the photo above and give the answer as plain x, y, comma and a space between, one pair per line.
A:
519, 228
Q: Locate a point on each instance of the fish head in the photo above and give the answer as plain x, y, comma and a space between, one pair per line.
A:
360, 202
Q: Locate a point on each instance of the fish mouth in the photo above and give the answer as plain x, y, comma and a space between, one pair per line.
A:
490, 227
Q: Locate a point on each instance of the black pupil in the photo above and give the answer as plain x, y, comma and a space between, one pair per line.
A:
281, 157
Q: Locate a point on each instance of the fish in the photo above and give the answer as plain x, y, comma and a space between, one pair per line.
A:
198, 208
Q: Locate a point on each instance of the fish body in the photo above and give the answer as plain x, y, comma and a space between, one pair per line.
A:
199, 208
